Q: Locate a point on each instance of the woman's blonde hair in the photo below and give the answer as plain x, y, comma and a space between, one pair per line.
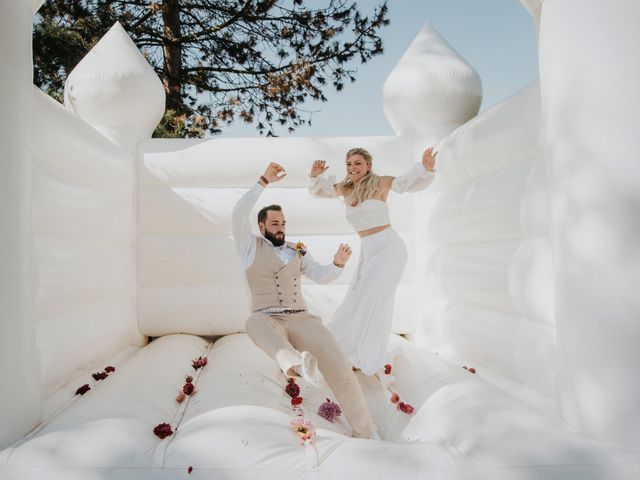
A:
364, 188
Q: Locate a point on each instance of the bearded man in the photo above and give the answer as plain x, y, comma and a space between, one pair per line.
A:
280, 323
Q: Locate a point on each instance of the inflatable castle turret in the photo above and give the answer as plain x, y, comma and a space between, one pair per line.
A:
432, 90
115, 89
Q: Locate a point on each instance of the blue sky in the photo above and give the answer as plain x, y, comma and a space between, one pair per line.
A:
496, 37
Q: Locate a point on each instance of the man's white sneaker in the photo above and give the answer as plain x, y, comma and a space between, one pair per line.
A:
310, 371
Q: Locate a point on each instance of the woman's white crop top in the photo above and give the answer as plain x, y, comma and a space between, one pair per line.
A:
368, 214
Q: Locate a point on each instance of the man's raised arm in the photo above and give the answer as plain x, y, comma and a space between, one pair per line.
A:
243, 237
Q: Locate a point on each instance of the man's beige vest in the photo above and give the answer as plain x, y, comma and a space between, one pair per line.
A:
272, 283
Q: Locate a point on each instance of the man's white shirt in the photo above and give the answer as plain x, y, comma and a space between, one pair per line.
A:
246, 242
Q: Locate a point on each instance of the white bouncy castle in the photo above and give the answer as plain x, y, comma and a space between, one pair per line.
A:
524, 265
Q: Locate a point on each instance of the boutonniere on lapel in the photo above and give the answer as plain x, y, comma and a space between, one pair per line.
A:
301, 249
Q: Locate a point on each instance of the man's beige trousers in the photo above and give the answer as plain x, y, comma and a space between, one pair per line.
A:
284, 335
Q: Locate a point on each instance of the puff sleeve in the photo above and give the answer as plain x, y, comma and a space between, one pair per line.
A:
418, 178
322, 187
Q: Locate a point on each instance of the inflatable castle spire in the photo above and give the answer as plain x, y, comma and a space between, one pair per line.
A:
115, 89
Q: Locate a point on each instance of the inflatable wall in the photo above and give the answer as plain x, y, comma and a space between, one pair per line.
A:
523, 263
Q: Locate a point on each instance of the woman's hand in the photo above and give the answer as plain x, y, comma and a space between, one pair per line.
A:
429, 159
342, 255
318, 168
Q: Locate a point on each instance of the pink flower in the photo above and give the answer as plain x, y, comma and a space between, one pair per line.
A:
292, 388
303, 428
83, 389
329, 410
387, 369
199, 362
405, 408
188, 388
109, 369
163, 430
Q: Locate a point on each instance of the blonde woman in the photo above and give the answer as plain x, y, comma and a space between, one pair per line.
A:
362, 323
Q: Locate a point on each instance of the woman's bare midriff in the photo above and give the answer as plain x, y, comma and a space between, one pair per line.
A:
371, 231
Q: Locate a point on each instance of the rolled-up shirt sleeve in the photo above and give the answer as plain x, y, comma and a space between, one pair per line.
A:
416, 179
319, 273
322, 187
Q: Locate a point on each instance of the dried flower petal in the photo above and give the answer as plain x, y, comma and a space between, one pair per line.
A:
189, 379
99, 375
199, 362
471, 369
405, 408
292, 388
296, 401
180, 398
109, 369
329, 410
83, 389
189, 470
395, 398
387, 369
163, 430
188, 388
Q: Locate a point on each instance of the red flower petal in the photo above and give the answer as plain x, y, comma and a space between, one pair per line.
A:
199, 362
188, 388
405, 408
190, 469
395, 398
471, 369
99, 375
109, 369
292, 389
163, 430
387, 369
189, 379
296, 401
83, 389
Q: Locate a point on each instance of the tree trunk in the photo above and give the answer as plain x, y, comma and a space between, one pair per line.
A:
172, 54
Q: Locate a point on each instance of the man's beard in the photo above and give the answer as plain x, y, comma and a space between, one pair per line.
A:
273, 239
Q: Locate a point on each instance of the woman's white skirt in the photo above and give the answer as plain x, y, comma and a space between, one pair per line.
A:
362, 323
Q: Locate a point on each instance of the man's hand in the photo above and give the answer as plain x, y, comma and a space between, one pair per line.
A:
274, 173
429, 159
342, 255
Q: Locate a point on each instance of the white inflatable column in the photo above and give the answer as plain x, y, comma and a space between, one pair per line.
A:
20, 404
590, 75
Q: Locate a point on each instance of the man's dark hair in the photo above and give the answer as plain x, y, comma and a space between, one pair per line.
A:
262, 214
